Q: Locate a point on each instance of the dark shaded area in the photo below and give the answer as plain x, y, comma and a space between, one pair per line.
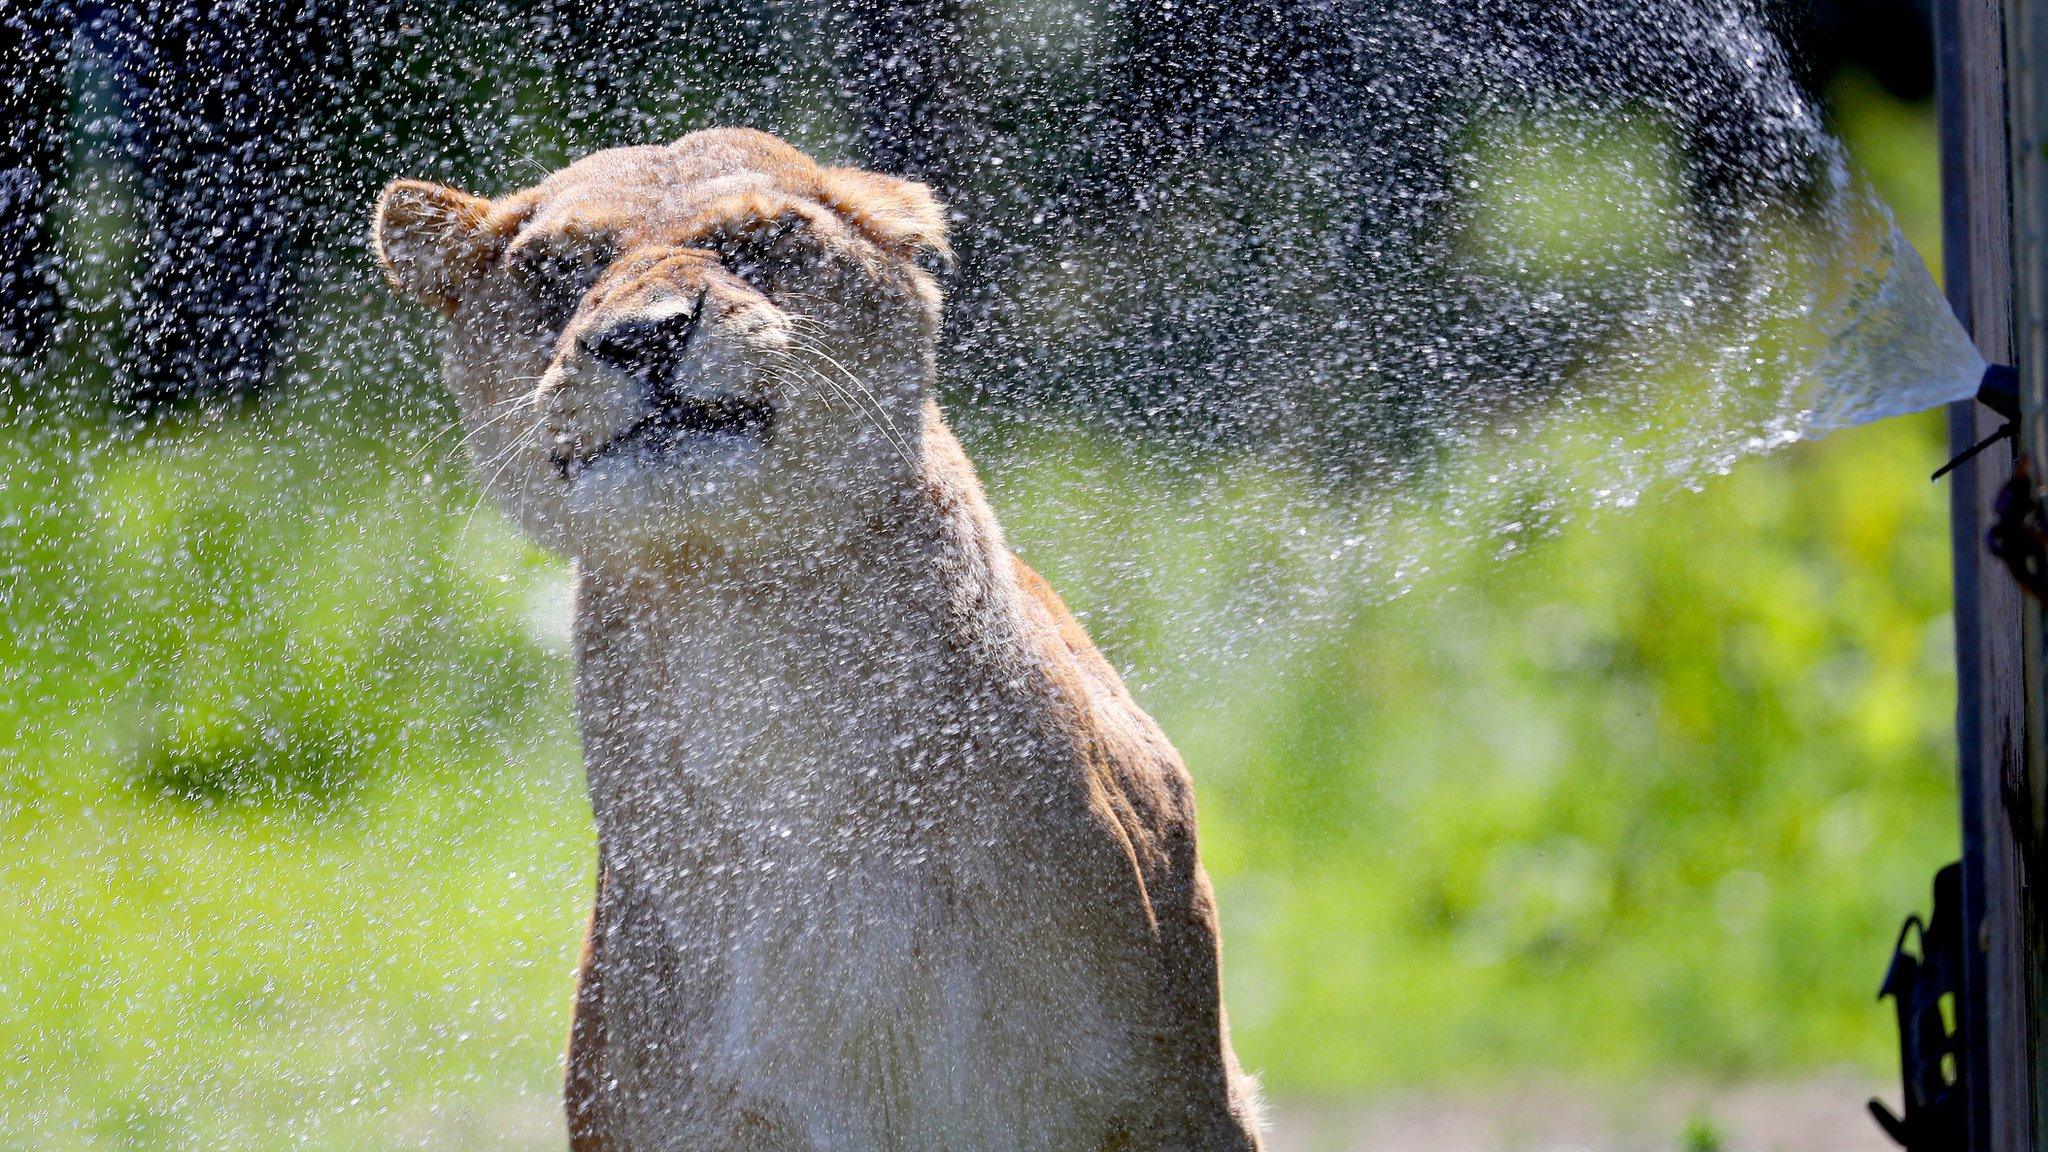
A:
33, 103
287, 765
1925, 989
213, 120
1891, 40
258, 131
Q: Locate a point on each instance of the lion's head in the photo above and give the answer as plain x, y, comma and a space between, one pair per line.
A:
718, 343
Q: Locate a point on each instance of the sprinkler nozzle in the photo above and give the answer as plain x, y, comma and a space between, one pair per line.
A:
1999, 390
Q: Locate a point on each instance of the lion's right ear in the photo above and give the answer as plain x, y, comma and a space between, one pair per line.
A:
432, 239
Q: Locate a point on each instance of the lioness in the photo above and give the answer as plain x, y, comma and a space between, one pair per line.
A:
889, 859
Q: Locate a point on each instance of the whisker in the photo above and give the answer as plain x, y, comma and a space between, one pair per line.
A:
847, 373
505, 458
512, 408
418, 456
781, 362
537, 165
874, 412
792, 360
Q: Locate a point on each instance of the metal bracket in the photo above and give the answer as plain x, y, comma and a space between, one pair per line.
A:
1930, 1047
2019, 529
1998, 390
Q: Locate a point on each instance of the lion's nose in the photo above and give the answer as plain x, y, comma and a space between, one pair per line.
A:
646, 347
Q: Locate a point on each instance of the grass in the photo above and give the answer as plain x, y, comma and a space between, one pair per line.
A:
299, 855
1651, 797
295, 808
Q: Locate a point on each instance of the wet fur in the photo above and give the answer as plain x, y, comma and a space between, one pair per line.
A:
889, 857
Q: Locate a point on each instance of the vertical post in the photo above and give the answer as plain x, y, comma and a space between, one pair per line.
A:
1991, 642
2026, 62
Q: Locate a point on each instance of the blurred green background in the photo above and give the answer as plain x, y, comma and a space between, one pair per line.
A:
297, 855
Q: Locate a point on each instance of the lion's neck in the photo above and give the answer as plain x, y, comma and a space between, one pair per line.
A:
803, 687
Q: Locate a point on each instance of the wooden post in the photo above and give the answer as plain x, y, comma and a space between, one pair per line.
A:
2026, 62
1993, 662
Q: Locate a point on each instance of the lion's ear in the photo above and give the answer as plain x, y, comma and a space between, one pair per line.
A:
902, 216
432, 239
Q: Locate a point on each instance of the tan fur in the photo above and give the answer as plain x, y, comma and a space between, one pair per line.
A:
889, 857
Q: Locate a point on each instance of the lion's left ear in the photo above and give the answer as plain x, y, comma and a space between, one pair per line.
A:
432, 239
900, 216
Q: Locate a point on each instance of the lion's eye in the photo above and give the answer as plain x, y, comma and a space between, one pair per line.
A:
746, 258
762, 252
559, 279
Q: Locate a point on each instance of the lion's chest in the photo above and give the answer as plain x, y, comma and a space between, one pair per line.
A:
886, 1023
826, 924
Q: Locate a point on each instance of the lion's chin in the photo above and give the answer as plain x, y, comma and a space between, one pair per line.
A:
650, 504
689, 466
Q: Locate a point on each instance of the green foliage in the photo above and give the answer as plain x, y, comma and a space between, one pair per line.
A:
291, 804
1702, 1135
300, 854
1559, 202
1651, 797
248, 612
